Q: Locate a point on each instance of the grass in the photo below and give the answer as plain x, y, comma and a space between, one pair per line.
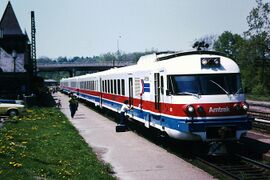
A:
42, 144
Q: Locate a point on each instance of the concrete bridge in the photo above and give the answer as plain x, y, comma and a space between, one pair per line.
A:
72, 68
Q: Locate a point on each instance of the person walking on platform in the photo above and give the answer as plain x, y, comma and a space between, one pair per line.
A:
73, 104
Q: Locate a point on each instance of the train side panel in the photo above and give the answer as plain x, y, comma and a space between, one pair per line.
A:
150, 90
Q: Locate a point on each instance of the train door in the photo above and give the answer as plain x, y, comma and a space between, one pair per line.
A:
130, 95
162, 92
101, 88
157, 91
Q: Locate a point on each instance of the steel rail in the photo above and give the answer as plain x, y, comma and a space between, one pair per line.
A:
241, 168
218, 168
254, 162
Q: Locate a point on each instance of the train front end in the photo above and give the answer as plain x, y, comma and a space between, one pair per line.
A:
206, 98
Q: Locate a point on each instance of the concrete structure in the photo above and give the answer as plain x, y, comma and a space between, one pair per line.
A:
72, 68
131, 156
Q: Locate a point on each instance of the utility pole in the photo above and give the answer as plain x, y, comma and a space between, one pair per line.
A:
33, 43
118, 51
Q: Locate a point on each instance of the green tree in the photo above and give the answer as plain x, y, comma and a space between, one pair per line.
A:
258, 35
231, 44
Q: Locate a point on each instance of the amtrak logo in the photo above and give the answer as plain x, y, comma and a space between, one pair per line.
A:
219, 110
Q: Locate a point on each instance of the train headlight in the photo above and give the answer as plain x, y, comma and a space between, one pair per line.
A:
200, 109
190, 109
208, 62
204, 62
245, 106
216, 62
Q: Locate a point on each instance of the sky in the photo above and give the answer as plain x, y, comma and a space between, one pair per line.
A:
93, 27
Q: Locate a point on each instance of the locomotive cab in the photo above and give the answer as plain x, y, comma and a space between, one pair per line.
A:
208, 98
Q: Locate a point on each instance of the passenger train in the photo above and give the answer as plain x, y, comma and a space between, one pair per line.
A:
187, 95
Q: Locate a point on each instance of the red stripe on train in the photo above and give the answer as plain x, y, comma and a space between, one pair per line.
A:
209, 109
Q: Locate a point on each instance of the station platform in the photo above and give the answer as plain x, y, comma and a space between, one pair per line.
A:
131, 156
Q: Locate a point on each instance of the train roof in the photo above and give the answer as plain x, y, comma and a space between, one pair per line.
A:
175, 63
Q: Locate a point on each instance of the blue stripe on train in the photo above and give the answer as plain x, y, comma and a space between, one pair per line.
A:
183, 124
191, 126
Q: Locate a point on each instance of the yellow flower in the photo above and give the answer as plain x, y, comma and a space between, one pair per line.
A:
29, 110
17, 165
34, 128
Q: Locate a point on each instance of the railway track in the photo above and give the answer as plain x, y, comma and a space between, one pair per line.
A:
234, 167
260, 115
238, 167
261, 112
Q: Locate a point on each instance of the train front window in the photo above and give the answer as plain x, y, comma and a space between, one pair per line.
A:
209, 84
185, 84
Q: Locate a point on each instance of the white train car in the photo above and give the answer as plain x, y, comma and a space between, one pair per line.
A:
189, 96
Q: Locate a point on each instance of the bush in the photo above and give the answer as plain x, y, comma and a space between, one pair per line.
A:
259, 89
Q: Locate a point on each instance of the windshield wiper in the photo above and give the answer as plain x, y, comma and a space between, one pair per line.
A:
220, 87
189, 93
237, 92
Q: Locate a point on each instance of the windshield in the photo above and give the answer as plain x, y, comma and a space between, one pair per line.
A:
209, 84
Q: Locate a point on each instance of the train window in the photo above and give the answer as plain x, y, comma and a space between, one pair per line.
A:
118, 86
209, 84
123, 86
162, 84
213, 84
234, 83
114, 87
73, 84
186, 84
106, 86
